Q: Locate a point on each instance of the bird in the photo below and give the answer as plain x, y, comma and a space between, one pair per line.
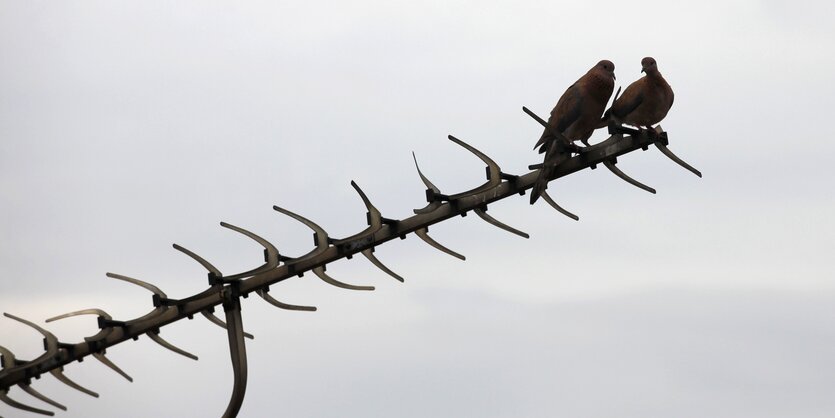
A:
645, 102
575, 117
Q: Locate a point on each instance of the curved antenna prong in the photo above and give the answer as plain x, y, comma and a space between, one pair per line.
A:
219, 322
666, 151
375, 222
106, 361
493, 221
30, 390
207, 265
59, 374
320, 272
278, 304
92, 311
105, 331
375, 218
272, 253
429, 187
4, 397
159, 340
625, 177
51, 342
559, 208
369, 254
423, 233
610, 165
147, 286
319, 235
493, 169
237, 352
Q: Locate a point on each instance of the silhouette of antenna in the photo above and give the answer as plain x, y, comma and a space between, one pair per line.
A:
226, 291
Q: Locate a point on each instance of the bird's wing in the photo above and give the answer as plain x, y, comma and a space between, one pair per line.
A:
568, 108
567, 111
631, 98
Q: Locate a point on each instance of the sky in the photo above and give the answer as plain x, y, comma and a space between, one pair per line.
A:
128, 126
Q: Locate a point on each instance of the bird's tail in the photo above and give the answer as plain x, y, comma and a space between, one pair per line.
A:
542, 144
541, 181
553, 156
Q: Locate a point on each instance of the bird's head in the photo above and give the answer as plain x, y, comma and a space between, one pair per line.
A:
649, 66
606, 67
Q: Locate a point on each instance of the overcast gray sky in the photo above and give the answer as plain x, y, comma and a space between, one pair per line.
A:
126, 126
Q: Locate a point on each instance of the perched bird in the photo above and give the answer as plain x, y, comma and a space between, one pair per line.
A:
645, 102
575, 117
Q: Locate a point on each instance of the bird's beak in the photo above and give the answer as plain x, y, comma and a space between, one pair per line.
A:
643, 69
613, 76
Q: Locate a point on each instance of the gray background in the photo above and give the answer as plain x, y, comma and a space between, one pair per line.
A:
126, 126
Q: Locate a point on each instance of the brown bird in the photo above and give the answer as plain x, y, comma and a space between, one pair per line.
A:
575, 116
645, 102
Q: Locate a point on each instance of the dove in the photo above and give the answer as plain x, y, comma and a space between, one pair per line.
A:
645, 102
576, 116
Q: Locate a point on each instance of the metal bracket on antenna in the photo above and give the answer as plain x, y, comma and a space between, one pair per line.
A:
511, 178
423, 233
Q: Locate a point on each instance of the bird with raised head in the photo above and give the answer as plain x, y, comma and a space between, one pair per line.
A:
645, 102
575, 117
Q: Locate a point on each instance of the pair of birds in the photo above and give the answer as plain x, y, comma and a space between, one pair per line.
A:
578, 112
